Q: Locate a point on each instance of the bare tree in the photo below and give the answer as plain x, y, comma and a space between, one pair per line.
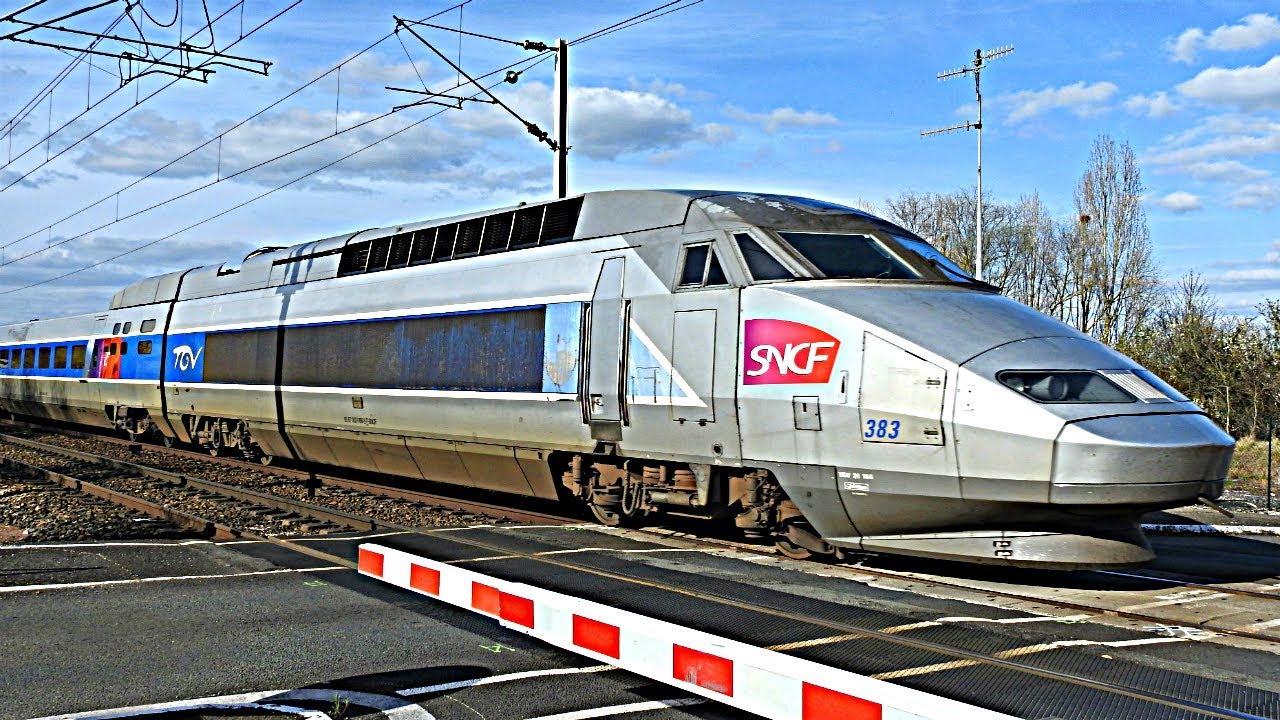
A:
1118, 278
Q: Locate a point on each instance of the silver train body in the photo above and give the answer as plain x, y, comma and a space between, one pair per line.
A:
807, 371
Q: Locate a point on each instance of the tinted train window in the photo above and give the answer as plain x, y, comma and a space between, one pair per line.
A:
4, 358
60, 357
77, 357
127, 327
247, 356
29, 358
124, 347
46, 354
144, 347
147, 326
495, 351
701, 267
762, 265
115, 329
849, 256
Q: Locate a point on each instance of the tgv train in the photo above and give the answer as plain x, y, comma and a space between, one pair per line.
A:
809, 372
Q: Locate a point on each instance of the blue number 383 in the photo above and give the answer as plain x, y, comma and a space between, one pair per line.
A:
882, 429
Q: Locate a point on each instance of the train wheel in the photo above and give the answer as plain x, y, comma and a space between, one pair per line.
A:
791, 550
167, 441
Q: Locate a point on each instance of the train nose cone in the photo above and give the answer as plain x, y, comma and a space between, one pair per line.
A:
1162, 460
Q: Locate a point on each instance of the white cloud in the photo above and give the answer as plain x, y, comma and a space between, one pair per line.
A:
1217, 140
1260, 195
1083, 100
1252, 31
782, 117
1157, 105
1224, 171
1179, 202
1252, 88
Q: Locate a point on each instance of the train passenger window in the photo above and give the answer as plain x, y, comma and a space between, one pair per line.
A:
124, 347
762, 265
77, 357
849, 256
46, 356
701, 267
115, 329
4, 358
28, 358
60, 357
147, 326
127, 328
144, 347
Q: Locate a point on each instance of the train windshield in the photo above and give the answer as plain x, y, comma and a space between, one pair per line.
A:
935, 258
839, 256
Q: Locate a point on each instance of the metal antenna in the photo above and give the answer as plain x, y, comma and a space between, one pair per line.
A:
980, 59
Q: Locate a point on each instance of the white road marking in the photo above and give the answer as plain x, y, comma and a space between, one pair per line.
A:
1018, 652
102, 583
511, 677
623, 709
1265, 624
393, 708
1016, 620
59, 546
1189, 597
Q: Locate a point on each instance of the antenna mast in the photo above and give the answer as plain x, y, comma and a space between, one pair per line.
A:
980, 59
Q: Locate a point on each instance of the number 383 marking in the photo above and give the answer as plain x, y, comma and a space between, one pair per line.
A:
881, 429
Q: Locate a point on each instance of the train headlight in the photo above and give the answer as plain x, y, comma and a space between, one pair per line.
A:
1065, 386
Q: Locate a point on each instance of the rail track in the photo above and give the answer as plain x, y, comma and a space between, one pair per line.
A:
264, 507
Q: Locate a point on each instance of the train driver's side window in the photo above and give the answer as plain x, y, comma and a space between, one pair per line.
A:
701, 267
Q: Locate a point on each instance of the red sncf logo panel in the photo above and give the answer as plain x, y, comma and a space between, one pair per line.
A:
785, 352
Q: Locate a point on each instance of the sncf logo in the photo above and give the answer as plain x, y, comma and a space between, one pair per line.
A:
784, 352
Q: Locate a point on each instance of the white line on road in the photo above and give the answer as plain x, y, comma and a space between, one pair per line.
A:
60, 546
510, 677
101, 583
623, 709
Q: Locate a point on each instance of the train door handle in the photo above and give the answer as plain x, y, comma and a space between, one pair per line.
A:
597, 403
844, 387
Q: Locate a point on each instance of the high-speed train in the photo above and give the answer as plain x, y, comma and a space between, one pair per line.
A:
807, 371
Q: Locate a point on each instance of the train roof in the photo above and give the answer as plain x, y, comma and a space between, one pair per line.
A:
581, 217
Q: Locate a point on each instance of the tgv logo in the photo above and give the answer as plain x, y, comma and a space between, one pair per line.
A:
785, 352
184, 358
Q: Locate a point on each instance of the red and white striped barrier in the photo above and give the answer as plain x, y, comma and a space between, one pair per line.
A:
760, 681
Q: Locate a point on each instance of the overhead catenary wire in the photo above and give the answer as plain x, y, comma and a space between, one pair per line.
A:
532, 61
11, 125
217, 138
233, 208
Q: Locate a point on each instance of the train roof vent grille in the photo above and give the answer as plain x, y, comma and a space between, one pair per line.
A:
354, 259
561, 221
401, 243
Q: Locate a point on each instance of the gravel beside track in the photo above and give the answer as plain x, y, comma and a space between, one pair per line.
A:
24, 511
37, 511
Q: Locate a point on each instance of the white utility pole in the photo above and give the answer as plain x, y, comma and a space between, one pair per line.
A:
979, 61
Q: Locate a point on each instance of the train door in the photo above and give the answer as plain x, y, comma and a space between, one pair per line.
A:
605, 352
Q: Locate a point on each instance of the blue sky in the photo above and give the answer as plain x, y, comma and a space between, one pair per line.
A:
825, 99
